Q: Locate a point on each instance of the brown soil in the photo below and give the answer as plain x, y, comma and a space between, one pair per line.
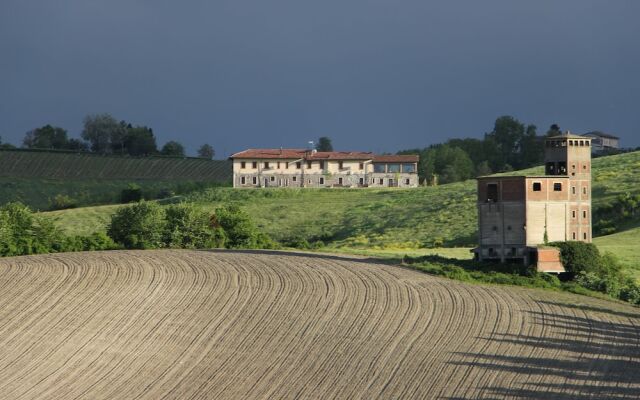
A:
189, 324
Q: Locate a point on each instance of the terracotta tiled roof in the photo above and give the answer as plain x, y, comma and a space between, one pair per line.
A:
320, 155
393, 158
340, 155
271, 153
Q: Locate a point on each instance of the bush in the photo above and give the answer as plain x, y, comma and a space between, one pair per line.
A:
139, 226
187, 227
22, 232
132, 194
579, 257
240, 231
63, 202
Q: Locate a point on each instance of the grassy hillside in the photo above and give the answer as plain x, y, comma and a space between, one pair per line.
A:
376, 219
37, 177
626, 246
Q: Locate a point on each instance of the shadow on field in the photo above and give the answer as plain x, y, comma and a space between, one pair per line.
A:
324, 256
595, 359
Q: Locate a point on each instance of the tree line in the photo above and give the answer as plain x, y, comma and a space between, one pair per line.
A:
510, 145
103, 134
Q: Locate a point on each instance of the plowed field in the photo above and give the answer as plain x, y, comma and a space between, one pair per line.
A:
215, 325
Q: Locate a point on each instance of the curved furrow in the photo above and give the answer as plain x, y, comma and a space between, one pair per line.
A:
246, 324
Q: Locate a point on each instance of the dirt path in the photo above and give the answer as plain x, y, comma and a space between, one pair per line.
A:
187, 324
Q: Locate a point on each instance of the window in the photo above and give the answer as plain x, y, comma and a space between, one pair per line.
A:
584, 235
298, 165
408, 168
321, 180
361, 181
551, 168
243, 180
379, 168
254, 164
584, 214
557, 187
361, 165
321, 164
295, 179
492, 192
339, 181
562, 168
573, 189
278, 164
273, 179
309, 181
393, 168
255, 180
537, 186
584, 190
340, 164
582, 143
243, 165
382, 181
513, 251
266, 165
286, 165
573, 214
309, 164
407, 181
574, 236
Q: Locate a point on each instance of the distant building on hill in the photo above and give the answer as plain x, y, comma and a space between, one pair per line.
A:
310, 168
603, 142
518, 214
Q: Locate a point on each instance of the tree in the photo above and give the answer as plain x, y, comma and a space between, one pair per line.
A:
139, 226
188, 228
531, 149
140, 141
172, 148
483, 169
6, 145
206, 151
46, 137
324, 144
98, 131
118, 137
77, 145
506, 135
554, 130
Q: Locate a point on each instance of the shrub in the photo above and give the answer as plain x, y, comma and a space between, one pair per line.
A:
187, 227
22, 232
579, 256
240, 231
63, 202
138, 226
132, 194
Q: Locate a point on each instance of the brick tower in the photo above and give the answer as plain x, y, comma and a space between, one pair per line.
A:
518, 214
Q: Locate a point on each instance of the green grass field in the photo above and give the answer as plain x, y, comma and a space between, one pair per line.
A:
375, 219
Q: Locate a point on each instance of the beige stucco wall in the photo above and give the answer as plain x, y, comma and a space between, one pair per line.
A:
319, 174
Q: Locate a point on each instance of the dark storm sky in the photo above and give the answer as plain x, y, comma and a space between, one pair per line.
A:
372, 75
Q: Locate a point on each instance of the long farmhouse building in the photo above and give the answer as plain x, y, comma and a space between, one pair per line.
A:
310, 168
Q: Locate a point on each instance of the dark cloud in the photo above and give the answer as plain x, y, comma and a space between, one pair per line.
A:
373, 75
